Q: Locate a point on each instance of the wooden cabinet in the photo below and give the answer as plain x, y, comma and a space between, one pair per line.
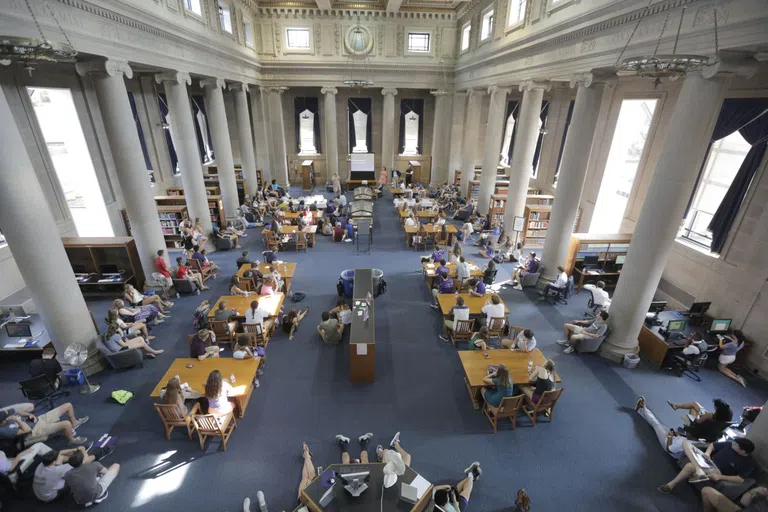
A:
92, 259
242, 188
605, 247
308, 174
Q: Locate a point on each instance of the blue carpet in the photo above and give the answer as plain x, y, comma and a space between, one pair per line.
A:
597, 454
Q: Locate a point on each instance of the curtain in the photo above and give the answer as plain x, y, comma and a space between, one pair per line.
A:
143, 142
540, 140
300, 104
513, 110
406, 107
364, 105
565, 134
202, 129
161, 99
748, 117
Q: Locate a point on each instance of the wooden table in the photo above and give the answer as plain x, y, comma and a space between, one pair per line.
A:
430, 275
269, 303
476, 367
286, 270
430, 229
397, 192
294, 216
600, 276
310, 231
243, 369
475, 304
424, 215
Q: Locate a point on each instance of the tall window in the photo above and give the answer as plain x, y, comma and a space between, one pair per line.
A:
225, 17
486, 27
418, 42
307, 119
562, 142
297, 38
725, 157
465, 33
516, 12
142, 141
627, 147
248, 32
193, 6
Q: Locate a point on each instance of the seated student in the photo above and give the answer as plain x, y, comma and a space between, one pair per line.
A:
234, 288
730, 345
342, 312
133, 296
242, 219
445, 286
524, 342
447, 498
241, 349
442, 270
291, 319
331, 208
17, 420
327, 229
702, 424
129, 329
150, 313
268, 287
257, 315
458, 312
462, 270
600, 297
184, 272
202, 257
341, 200
217, 391
579, 330
48, 483
344, 445
173, 394
438, 255
455, 253
500, 386
338, 232
480, 340
488, 249
489, 272
203, 345
330, 329
731, 459
530, 266
222, 314
464, 213
115, 341
754, 500
440, 219
245, 260
410, 221
670, 440
393, 452
226, 235
493, 308
543, 380
560, 283
88, 483
476, 287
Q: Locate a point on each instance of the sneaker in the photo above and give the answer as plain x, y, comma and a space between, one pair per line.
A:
474, 470
365, 438
342, 439
379, 449
90, 445
178, 296
444, 338
247, 505
563, 342
105, 452
78, 440
569, 350
80, 421
640, 403
518, 287
434, 306
102, 497
262, 501
395, 439
197, 292
665, 489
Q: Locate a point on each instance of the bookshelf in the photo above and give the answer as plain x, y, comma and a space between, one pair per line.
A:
171, 216
97, 255
242, 188
498, 202
605, 247
215, 207
537, 223
179, 191
539, 199
260, 178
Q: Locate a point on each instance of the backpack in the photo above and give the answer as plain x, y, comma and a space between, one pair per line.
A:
382, 288
340, 288
27, 478
200, 319
499, 258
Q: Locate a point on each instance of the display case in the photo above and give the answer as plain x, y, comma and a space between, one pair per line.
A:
364, 194
361, 210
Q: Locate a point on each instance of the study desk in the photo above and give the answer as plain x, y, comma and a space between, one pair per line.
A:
655, 348
397, 192
424, 216
294, 216
362, 344
475, 304
430, 275
475, 367
372, 499
286, 271
270, 303
597, 276
291, 231
431, 229
244, 371
39, 334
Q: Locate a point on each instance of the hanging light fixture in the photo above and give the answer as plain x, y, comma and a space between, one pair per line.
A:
358, 41
661, 65
28, 51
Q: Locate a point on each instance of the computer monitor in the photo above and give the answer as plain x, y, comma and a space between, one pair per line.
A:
620, 259
699, 308
720, 325
108, 269
18, 330
590, 261
79, 269
657, 306
355, 483
676, 325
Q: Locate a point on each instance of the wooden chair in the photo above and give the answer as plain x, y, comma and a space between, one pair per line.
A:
172, 416
420, 239
462, 330
441, 239
514, 331
301, 241
246, 284
257, 333
496, 327
221, 329
508, 408
546, 404
271, 241
214, 425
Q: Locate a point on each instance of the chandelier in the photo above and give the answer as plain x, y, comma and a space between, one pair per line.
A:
31, 50
661, 65
358, 42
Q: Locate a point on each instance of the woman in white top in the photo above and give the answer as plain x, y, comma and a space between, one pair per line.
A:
466, 231
440, 219
342, 311
410, 221
133, 296
200, 238
216, 391
456, 253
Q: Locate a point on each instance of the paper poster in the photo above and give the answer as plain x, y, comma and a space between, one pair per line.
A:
362, 349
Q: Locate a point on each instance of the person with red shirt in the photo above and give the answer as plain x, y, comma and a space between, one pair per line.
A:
184, 272
338, 232
165, 275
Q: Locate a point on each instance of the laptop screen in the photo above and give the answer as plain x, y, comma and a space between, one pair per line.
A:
18, 330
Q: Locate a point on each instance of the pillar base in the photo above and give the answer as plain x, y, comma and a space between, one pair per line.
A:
616, 353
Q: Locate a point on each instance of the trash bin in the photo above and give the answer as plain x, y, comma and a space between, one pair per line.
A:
631, 360
348, 279
378, 275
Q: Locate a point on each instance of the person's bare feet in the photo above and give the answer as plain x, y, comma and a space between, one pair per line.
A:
305, 450
150, 338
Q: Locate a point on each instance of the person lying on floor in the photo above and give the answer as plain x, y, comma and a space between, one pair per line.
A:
702, 424
446, 498
17, 420
670, 441
754, 500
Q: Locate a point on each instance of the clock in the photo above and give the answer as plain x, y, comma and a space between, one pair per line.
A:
358, 40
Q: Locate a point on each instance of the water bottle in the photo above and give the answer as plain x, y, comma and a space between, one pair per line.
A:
530, 367
232, 378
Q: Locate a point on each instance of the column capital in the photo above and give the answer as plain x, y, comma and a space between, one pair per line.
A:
107, 66
213, 83
174, 77
494, 89
389, 90
731, 63
329, 90
439, 93
474, 92
238, 86
530, 85
594, 77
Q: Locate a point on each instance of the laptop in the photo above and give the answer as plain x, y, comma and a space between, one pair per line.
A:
18, 330
590, 263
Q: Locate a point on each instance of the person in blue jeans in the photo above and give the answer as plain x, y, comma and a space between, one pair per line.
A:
500, 386
446, 498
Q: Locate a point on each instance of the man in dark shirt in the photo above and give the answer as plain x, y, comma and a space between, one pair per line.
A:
754, 500
338, 232
476, 287
89, 482
729, 462
244, 260
200, 343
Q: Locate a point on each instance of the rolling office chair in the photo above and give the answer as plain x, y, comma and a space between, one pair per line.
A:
593, 308
41, 389
561, 295
690, 365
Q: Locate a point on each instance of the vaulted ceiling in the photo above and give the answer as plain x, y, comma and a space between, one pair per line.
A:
375, 5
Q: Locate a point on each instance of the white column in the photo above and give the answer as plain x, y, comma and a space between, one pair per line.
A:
526, 136
573, 168
278, 153
38, 251
260, 139
331, 132
689, 129
388, 129
471, 127
493, 134
245, 137
185, 144
222, 146
108, 78
441, 128
459, 105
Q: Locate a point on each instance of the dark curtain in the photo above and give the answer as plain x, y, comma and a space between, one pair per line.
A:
364, 105
198, 105
406, 107
565, 134
514, 110
163, 102
143, 143
300, 104
540, 140
749, 117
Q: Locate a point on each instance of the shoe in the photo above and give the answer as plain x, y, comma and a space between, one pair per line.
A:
102, 497
80, 421
395, 439
379, 449
444, 338
474, 470
90, 445
197, 292
365, 438
247, 505
542, 298
78, 440
518, 287
262, 501
434, 306
563, 342
342, 439
178, 296
569, 350
665, 489
105, 452
640, 403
